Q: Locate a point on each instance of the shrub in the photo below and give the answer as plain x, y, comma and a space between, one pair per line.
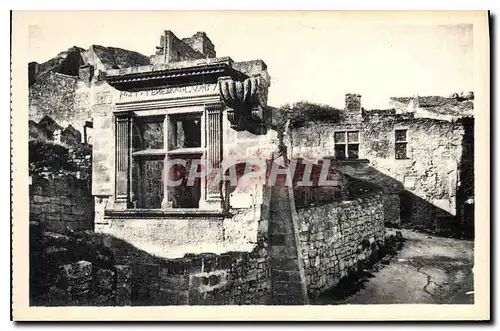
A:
45, 156
302, 112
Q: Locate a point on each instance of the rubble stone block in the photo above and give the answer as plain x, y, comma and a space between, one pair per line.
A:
173, 282
105, 279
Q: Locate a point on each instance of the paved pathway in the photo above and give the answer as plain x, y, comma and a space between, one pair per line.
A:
428, 269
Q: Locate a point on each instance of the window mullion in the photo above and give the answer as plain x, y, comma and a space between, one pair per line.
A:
166, 144
346, 145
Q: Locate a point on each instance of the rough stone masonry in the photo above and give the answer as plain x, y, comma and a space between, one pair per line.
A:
335, 237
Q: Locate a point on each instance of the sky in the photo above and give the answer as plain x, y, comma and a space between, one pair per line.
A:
312, 56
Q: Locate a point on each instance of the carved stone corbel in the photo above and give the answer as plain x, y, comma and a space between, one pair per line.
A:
245, 99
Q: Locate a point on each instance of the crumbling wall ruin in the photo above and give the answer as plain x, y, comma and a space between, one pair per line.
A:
75, 269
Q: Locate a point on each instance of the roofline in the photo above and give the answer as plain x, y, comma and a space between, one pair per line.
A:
171, 74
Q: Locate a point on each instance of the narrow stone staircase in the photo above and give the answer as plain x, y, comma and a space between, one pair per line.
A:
287, 273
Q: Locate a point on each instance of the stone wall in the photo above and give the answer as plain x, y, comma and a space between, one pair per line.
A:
75, 269
337, 237
165, 237
230, 278
59, 192
61, 202
193, 260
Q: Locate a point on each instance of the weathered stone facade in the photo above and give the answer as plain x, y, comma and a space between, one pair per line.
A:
218, 252
424, 188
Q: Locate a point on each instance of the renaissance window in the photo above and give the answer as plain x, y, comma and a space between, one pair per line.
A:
164, 150
346, 145
401, 144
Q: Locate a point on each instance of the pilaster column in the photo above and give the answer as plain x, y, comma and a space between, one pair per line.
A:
214, 154
122, 172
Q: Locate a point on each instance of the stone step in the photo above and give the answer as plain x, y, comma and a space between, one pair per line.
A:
288, 288
279, 226
279, 275
280, 252
281, 239
287, 300
285, 263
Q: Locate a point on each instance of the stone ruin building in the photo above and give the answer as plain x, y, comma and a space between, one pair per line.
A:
224, 241
420, 153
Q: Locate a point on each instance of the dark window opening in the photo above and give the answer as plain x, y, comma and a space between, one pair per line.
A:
401, 151
185, 132
148, 179
340, 152
147, 133
339, 137
352, 151
401, 144
186, 194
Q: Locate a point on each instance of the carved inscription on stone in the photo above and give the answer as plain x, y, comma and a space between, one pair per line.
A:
169, 92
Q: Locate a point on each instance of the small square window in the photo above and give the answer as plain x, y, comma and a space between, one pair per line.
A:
340, 152
339, 137
148, 133
346, 145
353, 136
401, 144
353, 151
401, 151
400, 135
186, 132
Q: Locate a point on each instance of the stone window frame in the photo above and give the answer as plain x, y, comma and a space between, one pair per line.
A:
347, 143
169, 151
210, 198
406, 142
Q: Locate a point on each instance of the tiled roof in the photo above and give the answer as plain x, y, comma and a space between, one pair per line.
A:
448, 106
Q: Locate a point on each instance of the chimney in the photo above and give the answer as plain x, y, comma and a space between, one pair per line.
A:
413, 105
353, 104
